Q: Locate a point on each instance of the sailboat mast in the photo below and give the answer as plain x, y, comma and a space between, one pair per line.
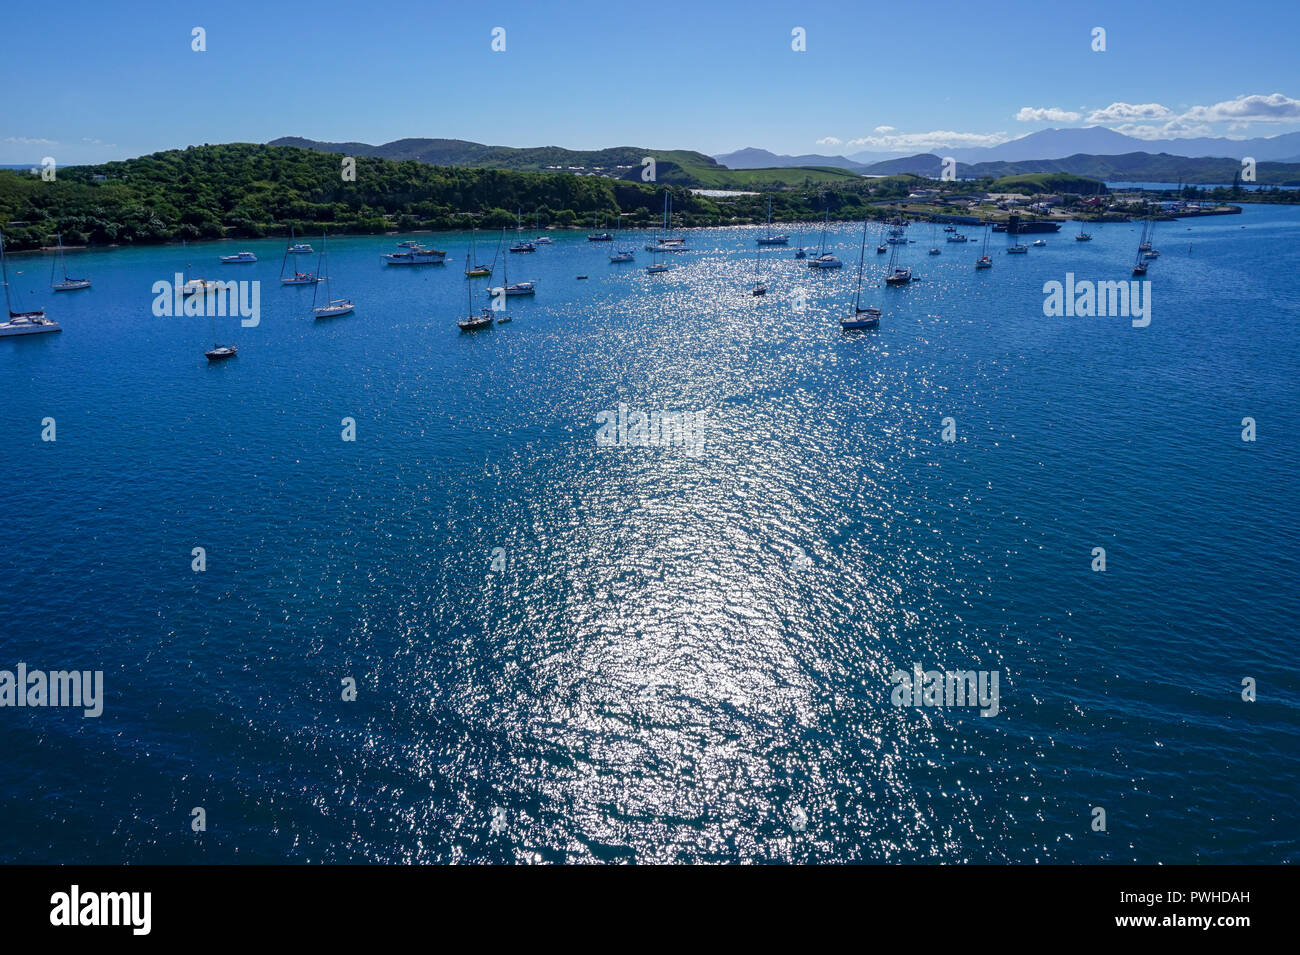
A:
862, 261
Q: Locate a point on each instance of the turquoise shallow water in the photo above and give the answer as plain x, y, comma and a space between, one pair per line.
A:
685, 657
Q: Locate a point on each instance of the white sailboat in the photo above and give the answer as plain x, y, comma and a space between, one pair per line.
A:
333, 307
67, 283
779, 238
21, 323
657, 247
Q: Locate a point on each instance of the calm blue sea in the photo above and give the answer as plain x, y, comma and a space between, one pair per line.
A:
681, 657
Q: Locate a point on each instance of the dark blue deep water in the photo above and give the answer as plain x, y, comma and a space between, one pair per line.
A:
656, 674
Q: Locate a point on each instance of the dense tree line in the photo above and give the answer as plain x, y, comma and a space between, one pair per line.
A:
247, 190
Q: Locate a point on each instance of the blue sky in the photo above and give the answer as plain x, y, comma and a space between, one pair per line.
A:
87, 82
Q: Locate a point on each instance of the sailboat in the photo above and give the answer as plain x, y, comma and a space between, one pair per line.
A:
506, 288
934, 237
1150, 252
537, 226
667, 243
523, 246
881, 247
1018, 248
984, 261
824, 259
598, 236
760, 287
476, 271
621, 255
297, 278
860, 318
68, 284
21, 323
472, 322
655, 265
1082, 236
1140, 262
218, 351
894, 274
779, 238
333, 307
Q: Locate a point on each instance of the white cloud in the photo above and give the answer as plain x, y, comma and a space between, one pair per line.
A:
1174, 129
829, 141
27, 141
1054, 114
1130, 112
884, 129
1274, 108
935, 139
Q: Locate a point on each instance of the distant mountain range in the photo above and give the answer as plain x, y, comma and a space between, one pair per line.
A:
760, 169
678, 167
1047, 144
1130, 167
620, 162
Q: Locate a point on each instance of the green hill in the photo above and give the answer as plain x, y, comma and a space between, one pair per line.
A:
251, 190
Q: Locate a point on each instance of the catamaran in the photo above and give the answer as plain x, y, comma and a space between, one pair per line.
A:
860, 317
68, 284
333, 307
22, 323
298, 277
779, 238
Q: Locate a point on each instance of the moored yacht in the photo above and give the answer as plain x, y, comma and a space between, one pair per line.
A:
239, 258
415, 255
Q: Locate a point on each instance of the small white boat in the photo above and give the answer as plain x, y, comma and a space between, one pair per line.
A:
239, 258
658, 267
825, 261
623, 255
957, 237
1017, 249
516, 288
301, 248
523, 247
542, 240
218, 352
1039, 242
1151, 254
